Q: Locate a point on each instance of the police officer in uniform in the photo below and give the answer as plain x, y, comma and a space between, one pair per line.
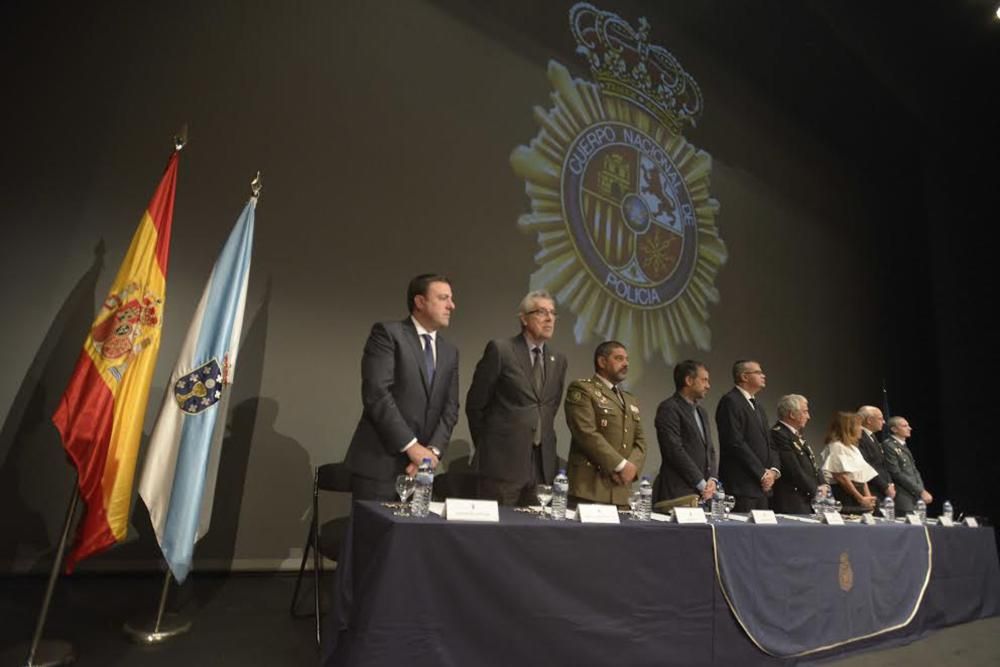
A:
607, 450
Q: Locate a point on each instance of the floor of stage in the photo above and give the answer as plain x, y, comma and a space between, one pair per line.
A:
244, 620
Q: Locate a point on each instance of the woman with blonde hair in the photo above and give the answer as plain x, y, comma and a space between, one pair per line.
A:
846, 468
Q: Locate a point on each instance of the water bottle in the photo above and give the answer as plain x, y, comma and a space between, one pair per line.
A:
921, 510
889, 509
645, 509
947, 511
560, 489
718, 506
425, 485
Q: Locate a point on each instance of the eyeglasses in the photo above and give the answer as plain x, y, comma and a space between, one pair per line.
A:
542, 312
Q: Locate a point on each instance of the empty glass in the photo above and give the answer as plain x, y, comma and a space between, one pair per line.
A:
544, 493
633, 504
404, 487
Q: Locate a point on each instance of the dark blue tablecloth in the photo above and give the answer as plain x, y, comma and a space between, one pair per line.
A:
532, 592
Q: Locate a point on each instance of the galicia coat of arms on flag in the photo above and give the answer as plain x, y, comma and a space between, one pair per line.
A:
200, 389
620, 199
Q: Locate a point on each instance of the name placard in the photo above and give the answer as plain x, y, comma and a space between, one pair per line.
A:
868, 519
690, 515
946, 521
833, 519
764, 516
460, 509
914, 520
594, 513
971, 522
434, 507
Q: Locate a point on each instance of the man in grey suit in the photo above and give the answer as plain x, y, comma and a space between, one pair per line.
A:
690, 460
512, 403
902, 467
409, 390
872, 422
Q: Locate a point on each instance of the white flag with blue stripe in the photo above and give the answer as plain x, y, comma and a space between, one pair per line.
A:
182, 460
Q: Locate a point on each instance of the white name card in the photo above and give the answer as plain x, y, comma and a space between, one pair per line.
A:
868, 519
833, 519
946, 521
971, 522
690, 515
914, 520
460, 509
593, 513
764, 516
656, 516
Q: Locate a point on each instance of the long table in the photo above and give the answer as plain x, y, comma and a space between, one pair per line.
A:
526, 591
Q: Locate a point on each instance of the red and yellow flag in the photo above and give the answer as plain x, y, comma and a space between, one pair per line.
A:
100, 416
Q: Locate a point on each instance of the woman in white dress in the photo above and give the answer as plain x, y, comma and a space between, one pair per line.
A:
844, 465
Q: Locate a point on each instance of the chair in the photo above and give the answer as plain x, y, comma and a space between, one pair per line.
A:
324, 540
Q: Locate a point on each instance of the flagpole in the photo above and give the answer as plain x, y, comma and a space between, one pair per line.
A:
51, 652
175, 624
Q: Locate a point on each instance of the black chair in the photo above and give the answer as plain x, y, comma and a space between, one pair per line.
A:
324, 540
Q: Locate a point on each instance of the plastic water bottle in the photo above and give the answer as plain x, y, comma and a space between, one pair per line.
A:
921, 510
889, 509
645, 509
718, 508
422, 493
560, 489
947, 511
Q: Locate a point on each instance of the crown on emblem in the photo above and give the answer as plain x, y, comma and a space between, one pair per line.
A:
626, 65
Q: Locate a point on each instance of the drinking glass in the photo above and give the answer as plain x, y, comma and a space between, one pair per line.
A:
544, 493
728, 504
633, 504
404, 487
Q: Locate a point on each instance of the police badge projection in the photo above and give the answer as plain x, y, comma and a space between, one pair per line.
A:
638, 236
620, 200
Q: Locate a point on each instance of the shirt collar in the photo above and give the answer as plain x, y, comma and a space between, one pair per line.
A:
791, 428
532, 343
746, 394
606, 381
421, 330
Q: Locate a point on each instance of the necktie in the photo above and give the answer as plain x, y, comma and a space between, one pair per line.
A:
428, 357
538, 370
697, 420
618, 393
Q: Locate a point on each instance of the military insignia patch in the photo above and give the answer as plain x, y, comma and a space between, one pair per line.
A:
200, 389
620, 200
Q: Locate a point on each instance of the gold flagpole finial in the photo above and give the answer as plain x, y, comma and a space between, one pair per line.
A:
256, 185
181, 138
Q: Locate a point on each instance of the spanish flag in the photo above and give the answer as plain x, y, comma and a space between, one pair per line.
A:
101, 413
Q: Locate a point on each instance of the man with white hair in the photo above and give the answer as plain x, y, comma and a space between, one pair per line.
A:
512, 403
800, 472
872, 422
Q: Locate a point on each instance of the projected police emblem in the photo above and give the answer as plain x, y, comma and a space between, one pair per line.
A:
620, 200
200, 389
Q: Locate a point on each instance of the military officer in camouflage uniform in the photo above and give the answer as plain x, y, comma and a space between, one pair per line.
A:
608, 450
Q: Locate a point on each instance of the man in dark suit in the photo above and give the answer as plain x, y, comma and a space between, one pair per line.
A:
801, 476
512, 403
409, 390
872, 422
748, 464
608, 449
690, 460
902, 467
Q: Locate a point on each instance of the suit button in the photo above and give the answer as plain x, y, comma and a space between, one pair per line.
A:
626, 430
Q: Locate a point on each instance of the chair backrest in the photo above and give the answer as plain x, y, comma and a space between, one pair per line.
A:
333, 477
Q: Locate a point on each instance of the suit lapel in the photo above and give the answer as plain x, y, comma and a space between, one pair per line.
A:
410, 333
607, 393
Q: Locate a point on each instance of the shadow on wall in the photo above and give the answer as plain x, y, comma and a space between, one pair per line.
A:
37, 480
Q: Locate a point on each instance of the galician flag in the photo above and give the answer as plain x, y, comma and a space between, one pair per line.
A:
100, 415
178, 475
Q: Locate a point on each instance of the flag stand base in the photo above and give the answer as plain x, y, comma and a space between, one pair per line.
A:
170, 626
163, 627
48, 653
